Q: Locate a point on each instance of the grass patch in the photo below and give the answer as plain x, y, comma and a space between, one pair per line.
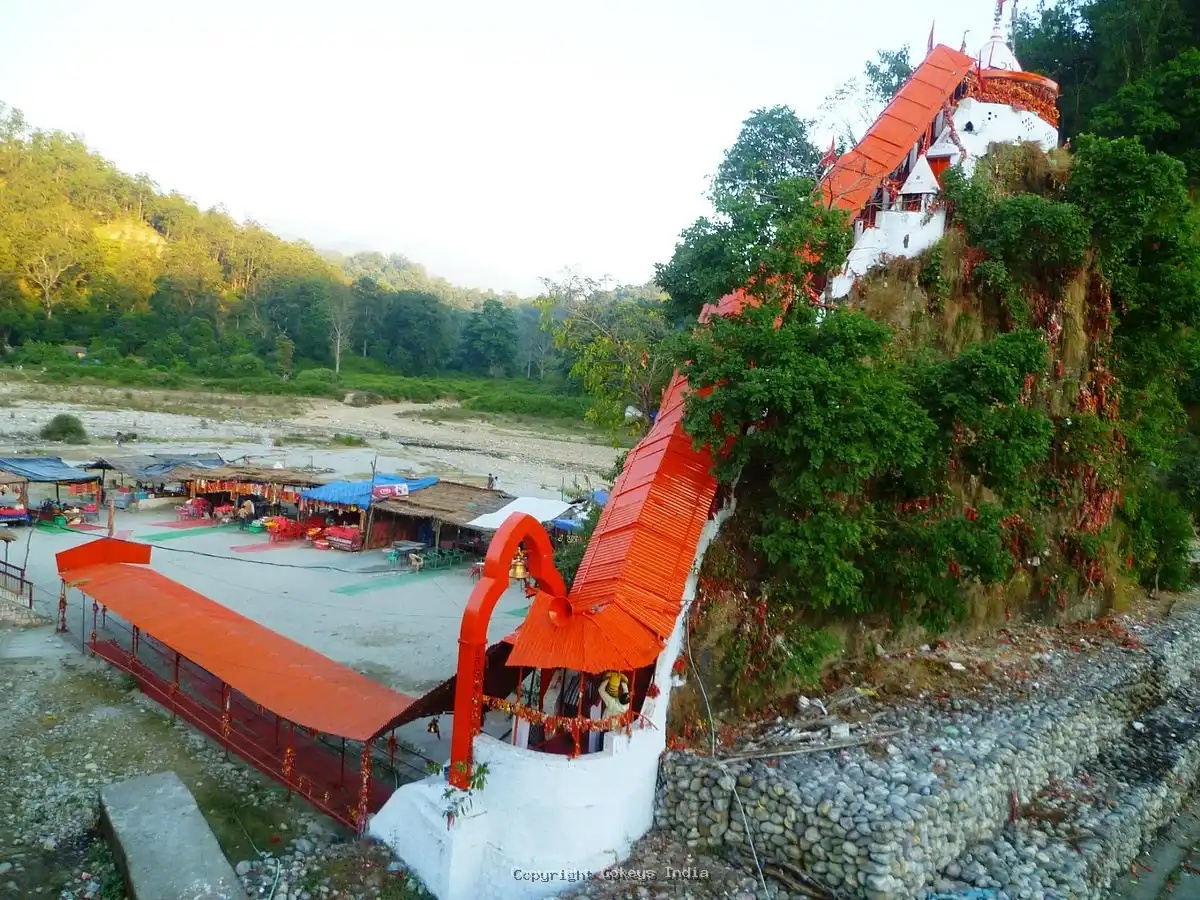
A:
348, 440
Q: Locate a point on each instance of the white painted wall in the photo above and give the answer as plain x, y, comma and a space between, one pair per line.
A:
543, 822
991, 123
995, 123
886, 241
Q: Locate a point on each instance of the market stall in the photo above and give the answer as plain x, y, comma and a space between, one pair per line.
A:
14, 499
435, 518
248, 494
338, 514
82, 488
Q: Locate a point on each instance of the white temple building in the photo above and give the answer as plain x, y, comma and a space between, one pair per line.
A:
951, 111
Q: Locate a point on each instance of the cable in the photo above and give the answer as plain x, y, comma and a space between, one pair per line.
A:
712, 728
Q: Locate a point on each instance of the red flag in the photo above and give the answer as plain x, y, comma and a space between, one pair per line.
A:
931, 28
831, 157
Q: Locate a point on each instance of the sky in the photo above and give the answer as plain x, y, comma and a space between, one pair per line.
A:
493, 142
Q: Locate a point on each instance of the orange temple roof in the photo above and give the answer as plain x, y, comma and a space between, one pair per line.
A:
858, 174
628, 591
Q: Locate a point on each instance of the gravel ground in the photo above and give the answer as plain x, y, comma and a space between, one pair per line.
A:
72, 724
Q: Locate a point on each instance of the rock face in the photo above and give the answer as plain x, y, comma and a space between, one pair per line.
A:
162, 843
1047, 797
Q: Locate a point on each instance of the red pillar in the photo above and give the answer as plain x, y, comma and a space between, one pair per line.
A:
472, 639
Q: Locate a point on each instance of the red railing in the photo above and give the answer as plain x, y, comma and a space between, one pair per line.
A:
13, 580
327, 775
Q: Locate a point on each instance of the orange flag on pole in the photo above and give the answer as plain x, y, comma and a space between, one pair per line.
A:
831, 157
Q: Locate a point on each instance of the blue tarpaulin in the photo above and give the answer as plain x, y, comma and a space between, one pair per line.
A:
600, 497
567, 524
149, 473
45, 470
358, 493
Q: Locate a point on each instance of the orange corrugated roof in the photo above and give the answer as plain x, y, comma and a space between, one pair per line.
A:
628, 591
859, 173
285, 677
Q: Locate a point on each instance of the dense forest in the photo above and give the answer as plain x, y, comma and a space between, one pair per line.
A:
156, 291
1002, 426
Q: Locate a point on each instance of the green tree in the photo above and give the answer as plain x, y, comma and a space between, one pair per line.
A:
887, 73
621, 347
53, 250
773, 146
1162, 110
489, 340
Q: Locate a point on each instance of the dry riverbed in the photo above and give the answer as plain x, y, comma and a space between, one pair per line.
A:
529, 457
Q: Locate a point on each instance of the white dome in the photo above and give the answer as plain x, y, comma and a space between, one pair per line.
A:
995, 54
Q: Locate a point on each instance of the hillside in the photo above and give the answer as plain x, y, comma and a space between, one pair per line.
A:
93, 257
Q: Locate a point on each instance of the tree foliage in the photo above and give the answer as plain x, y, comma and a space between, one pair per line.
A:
145, 279
620, 345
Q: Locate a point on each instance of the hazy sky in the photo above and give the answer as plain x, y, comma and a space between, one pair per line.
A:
494, 141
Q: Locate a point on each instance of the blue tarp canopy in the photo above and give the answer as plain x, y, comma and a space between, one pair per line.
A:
358, 493
167, 463
600, 497
567, 524
149, 467
45, 470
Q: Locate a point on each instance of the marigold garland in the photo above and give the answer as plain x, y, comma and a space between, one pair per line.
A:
1033, 98
560, 723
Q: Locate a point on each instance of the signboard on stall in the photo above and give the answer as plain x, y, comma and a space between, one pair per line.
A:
383, 491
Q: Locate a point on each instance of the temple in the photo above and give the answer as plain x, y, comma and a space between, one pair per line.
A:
949, 112
557, 730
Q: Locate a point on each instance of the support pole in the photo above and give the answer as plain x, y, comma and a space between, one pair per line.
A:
226, 717
62, 609
175, 688
364, 789
342, 779
83, 628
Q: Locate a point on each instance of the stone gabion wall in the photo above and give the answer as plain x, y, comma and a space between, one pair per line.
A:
1077, 841
888, 828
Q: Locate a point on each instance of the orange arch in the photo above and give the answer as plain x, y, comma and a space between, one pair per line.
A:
472, 638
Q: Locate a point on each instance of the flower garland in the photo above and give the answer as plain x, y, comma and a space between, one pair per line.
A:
364, 789
1031, 98
561, 723
289, 763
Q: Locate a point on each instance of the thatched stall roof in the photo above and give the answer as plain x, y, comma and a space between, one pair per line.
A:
247, 475
446, 501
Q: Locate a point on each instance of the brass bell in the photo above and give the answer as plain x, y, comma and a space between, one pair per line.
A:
518, 571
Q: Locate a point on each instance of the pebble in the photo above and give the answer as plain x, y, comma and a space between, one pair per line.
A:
935, 811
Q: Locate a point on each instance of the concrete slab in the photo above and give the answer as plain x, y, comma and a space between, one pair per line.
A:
162, 843
38, 642
1169, 867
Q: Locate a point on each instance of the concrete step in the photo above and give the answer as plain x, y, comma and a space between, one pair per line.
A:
162, 843
1080, 835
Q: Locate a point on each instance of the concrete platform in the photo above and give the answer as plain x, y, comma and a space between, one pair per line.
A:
162, 843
